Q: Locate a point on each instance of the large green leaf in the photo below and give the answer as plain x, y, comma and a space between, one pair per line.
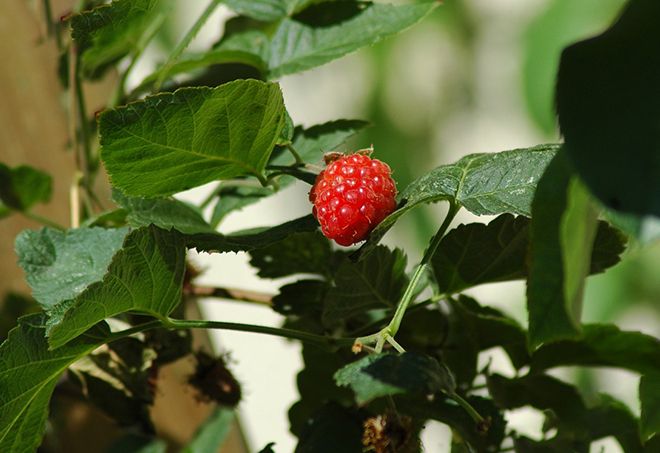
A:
59, 265
562, 234
213, 432
560, 24
474, 254
107, 33
379, 375
22, 187
165, 213
493, 183
300, 43
602, 345
175, 141
649, 397
145, 276
267, 10
376, 282
610, 118
29, 371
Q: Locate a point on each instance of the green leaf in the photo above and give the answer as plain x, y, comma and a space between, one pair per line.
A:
612, 139
212, 434
613, 418
378, 375
267, 10
493, 183
544, 393
172, 142
28, 374
562, 234
12, 307
248, 240
233, 198
561, 23
146, 276
492, 328
268, 448
474, 254
59, 265
332, 429
22, 187
602, 345
301, 298
376, 282
308, 253
109, 32
301, 43
165, 213
649, 397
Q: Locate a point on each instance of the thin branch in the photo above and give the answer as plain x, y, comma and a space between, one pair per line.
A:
241, 295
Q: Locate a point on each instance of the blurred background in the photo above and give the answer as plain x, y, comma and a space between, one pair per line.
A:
475, 76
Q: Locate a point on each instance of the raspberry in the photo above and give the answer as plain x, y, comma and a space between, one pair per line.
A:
351, 196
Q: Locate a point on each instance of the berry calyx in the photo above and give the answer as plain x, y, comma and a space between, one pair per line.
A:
351, 196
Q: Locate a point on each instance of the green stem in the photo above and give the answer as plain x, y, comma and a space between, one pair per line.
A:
278, 332
294, 153
83, 124
467, 407
42, 220
393, 327
183, 44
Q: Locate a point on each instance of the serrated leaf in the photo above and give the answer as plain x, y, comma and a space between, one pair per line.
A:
22, 187
376, 282
602, 345
59, 265
233, 198
29, 371
252, 239
212, 433
308, 253
165, 213
542, 392
484, 184
172, 142
492, 328
146, 276
379, 375
649, 397
267, 10
12, 307
301, 298
613, 140
475, 254
562, 234
299, 43
109, 32
610, 417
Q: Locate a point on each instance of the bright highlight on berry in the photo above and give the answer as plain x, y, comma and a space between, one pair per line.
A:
351, 196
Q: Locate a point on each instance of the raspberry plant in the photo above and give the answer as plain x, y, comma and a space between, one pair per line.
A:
385, 349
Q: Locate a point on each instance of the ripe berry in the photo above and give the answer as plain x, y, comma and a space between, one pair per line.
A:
351, 196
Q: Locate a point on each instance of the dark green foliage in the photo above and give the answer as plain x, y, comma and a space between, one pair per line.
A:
23, 187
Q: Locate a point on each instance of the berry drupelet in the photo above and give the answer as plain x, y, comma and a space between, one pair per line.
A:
351, 196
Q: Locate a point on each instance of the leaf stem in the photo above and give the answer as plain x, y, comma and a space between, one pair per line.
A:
276, 331
184, 43
294, 153
393, 327
234, 294
467, 407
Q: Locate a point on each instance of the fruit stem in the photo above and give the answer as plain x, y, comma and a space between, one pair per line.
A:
393, 327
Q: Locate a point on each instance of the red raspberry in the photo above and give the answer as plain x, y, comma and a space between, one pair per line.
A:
351, 196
